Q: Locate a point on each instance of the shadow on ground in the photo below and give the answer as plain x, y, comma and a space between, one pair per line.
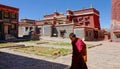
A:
11, 61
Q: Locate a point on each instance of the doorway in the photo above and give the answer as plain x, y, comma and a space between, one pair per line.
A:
2, 37
62, 33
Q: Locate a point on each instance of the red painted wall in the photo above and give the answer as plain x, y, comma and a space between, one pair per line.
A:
116, 10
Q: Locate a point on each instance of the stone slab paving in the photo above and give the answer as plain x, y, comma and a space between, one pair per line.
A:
16, 60
105, 56
52, 40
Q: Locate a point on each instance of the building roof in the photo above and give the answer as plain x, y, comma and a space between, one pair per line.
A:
76, 12
5, 6
87, 11
25, 24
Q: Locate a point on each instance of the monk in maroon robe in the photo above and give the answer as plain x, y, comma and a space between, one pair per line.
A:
77, 60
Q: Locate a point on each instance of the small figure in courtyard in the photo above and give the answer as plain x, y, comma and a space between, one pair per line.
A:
79, 51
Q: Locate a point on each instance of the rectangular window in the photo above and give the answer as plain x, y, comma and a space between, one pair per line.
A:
86, 34
31, 28
0, 14
81, 23
46, 23
75, 20
86, 18
26, 28
6, 14
13, 26
80, 19
117, 35
14, 15
87, 23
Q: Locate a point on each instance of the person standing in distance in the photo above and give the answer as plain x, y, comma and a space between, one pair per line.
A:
78, 47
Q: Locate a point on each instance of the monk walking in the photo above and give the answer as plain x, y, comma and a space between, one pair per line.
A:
78, 46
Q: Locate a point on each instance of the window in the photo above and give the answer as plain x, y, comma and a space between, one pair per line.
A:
90, 33
118, 35
86, 34
75, 20
0, 14
13, 15
31, 28
86, 23
81, 23
38, 30
13, 26
6, 14
46, 22
86, 18
80, 19
26, 28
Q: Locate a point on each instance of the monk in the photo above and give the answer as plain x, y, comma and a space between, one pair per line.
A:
77, 45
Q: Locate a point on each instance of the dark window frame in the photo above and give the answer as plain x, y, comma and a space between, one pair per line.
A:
6, 14
75, 20
86, 18
14, 15
26, 28
31, 28
86, 33
87, 23
81, 18
46, 23
1, 14
118, 35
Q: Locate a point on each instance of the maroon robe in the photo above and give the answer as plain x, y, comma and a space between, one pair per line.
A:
77, 59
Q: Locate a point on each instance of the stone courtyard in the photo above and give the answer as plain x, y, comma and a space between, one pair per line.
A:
104, 55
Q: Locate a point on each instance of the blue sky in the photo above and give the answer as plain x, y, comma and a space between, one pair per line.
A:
35, 9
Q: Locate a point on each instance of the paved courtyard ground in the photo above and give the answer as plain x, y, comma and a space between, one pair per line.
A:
104, 56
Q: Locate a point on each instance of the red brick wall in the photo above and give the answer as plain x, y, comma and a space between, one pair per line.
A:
96, 21
92, 21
